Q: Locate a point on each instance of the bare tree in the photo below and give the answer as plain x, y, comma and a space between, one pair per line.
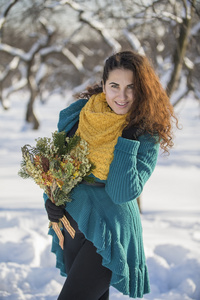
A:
67, 47
181, 45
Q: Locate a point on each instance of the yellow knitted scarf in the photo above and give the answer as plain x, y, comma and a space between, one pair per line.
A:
100, 127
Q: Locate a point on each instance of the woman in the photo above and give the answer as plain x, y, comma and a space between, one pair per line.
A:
124, 121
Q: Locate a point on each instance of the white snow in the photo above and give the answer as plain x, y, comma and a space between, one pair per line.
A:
170, 204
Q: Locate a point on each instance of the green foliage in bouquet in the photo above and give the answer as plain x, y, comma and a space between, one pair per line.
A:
57, 165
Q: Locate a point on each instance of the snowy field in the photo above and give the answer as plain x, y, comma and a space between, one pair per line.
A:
170, 204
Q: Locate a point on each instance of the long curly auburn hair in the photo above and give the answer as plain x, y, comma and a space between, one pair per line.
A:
151, 109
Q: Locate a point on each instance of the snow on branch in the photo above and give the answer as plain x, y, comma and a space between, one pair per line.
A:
74, 60
28, 56
98, 26
13, 51
170, 16
15, 87
58, 48
25, 56
11, 66
72, 4
5, 13
35, 48
94, 24
48, 29
133, 40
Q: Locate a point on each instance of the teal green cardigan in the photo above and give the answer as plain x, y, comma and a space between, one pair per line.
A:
109, 217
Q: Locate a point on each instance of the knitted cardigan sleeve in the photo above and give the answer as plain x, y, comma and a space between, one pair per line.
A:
132, 165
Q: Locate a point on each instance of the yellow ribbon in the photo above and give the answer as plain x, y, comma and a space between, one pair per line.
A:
58, 232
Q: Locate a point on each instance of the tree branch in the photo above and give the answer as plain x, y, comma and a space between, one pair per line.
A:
96, 25
179, 54
11, 66
74, 60
134, 41
5, 13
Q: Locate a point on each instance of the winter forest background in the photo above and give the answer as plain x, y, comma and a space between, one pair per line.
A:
51, 50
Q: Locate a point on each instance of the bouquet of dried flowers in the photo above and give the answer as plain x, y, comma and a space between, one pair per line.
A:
57, 165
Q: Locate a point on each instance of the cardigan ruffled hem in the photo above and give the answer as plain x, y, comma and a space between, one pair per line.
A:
129, 279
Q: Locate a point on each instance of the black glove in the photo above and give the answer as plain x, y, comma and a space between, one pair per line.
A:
54, 212
132, 133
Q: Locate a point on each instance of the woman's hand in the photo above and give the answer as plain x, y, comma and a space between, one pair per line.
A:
54, 212
132, 133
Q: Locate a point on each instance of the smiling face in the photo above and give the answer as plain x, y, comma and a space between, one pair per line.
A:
119, 90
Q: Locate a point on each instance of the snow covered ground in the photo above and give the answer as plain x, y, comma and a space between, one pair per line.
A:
170, 204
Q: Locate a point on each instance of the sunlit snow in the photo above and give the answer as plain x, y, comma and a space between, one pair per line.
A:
170, 205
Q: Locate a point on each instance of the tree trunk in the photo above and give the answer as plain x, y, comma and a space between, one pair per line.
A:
179, 54
30, 115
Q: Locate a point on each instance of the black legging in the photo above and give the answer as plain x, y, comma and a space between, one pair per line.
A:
87, 279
